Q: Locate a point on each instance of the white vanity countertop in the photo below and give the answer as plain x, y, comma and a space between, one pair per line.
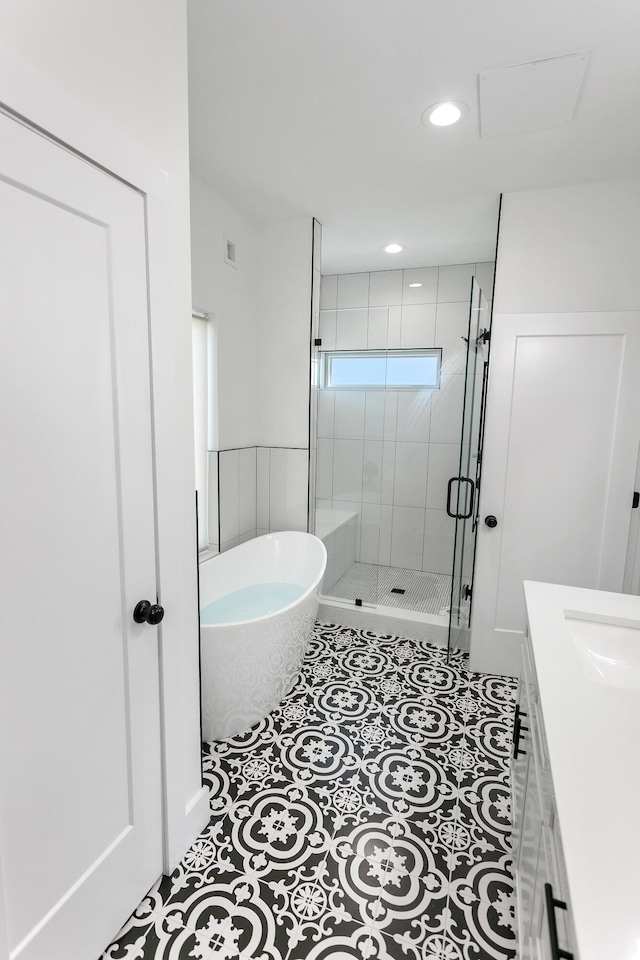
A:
593, 737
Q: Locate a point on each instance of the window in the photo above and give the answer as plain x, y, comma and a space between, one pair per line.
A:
381, 369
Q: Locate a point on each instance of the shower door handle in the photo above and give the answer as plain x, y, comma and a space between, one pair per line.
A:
461, 516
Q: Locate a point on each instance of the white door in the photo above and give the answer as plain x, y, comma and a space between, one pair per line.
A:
561, 445
80, 814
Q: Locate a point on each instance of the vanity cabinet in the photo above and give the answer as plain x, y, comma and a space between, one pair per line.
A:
543, 907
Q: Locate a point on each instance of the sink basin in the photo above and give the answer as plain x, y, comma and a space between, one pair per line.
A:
608, 648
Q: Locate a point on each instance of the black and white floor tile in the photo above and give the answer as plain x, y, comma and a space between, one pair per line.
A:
373, 583
368, 817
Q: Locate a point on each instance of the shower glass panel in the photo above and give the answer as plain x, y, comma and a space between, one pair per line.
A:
463, 490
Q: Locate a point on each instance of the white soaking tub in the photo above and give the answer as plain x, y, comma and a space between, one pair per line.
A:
258, 604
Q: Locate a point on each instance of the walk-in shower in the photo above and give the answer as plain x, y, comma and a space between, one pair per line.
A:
400, 374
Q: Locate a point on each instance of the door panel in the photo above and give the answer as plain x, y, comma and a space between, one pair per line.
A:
463, 491
79, 686
562, 441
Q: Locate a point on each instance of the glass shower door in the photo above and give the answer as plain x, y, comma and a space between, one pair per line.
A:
462, 494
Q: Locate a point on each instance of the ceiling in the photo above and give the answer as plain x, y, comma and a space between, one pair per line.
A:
313, 107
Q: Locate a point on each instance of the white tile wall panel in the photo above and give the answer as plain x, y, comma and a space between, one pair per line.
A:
263, 455
229, 497
347, 469
390, 424
324, 471
428, 292
326, 409
329, 293
452, 323
353, 290
330, 576
454, 283
312, 475
341, 550
247, 490
351, 329
439, 533
213, 499
394, 327
444, 461
327, 329
385, 288
418, 326
229, 544
349, 414
446, 410
410, 486
372, 471
388, 471
378, 321
386, 523
414, 415
288, 489
407, 537
351, 542
369, 533
248, 535
374, 414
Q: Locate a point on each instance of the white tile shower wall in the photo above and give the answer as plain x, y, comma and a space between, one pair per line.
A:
214, 540
282, 477
237, 491
388, 455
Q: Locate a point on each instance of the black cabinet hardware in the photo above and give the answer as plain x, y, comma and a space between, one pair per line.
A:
491, 521
556, 952
317, 342
518, 727
636, 499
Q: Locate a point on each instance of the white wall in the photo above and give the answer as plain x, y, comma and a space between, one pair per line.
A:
261, 313
122, 69
387, 455
284, 318
229, 294
569, 249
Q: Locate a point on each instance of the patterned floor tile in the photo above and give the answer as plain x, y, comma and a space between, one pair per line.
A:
483, 927
368, 816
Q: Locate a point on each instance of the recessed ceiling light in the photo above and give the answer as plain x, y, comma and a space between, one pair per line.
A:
445, 113
415, 284
393, 248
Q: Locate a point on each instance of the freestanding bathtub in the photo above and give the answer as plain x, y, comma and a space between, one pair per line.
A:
258, 603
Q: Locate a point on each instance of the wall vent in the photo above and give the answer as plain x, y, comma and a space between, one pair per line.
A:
230, 252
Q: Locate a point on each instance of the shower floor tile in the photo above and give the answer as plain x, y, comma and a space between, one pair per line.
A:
424, 592
367, 817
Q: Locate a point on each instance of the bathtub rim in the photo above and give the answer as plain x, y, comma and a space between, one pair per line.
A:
274, 613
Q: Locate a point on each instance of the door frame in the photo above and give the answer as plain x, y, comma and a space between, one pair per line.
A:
28, 99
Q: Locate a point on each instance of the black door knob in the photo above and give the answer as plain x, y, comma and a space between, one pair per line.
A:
156, 613
146, 612
491, 521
